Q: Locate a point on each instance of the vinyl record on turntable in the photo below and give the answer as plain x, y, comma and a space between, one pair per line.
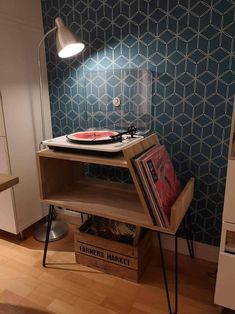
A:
93, 137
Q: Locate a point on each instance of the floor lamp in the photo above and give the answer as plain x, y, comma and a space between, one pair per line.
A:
67, 45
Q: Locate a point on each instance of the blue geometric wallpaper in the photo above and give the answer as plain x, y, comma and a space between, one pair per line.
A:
133, 88
188, 47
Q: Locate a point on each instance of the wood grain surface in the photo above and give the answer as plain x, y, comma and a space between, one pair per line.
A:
7, 181
65, 287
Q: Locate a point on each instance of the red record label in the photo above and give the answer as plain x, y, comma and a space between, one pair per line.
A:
92, 135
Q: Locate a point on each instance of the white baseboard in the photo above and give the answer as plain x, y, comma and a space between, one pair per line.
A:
202, 250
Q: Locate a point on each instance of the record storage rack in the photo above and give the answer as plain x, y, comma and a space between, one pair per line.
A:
63, 183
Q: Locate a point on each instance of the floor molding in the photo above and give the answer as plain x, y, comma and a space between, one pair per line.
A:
202, 250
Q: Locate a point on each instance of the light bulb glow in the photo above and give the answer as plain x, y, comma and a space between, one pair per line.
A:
71, 50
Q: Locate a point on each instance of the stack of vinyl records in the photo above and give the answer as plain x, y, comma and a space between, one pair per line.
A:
160, 184
111, 229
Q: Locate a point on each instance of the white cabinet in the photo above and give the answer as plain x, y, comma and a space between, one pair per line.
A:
225, 282
7, 208
20, 124
229, 201
2, 124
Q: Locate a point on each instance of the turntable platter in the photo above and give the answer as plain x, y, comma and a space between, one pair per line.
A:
92, 137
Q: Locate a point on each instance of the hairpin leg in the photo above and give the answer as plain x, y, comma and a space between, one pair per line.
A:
189, 235
49, 220
165, 276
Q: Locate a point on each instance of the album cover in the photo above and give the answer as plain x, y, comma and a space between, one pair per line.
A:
154, 211
162, 180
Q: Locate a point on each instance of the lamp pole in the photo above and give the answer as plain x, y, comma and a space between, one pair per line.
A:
40, 82
67, 46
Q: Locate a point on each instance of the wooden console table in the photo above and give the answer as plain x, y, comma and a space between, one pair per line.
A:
64, 184
7, 181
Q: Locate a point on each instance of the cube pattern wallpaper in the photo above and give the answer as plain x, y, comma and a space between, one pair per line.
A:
132, 88
186, 48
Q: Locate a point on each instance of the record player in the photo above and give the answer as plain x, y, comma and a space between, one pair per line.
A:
114, 101
103, 141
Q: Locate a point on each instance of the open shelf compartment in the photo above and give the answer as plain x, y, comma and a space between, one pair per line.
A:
101, 198
230, 242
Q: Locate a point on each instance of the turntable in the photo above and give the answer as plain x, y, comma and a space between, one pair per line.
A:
103, 141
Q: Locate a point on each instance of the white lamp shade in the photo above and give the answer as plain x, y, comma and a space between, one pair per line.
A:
67, 44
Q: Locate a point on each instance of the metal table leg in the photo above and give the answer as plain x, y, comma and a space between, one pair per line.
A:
165, 275
50, 217
189, 235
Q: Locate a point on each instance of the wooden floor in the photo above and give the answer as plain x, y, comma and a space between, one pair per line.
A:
65, 287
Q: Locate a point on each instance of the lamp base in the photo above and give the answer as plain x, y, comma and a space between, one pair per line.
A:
59, 229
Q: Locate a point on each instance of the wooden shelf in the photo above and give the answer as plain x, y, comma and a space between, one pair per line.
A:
230, 242
102, 198
230, 248
116, 160
63, 183
7, 181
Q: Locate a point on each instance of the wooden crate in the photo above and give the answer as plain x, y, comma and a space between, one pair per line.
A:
112, 257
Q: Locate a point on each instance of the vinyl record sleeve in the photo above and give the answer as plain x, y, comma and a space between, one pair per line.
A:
162, 179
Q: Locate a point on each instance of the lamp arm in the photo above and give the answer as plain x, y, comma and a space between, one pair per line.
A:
40, 82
